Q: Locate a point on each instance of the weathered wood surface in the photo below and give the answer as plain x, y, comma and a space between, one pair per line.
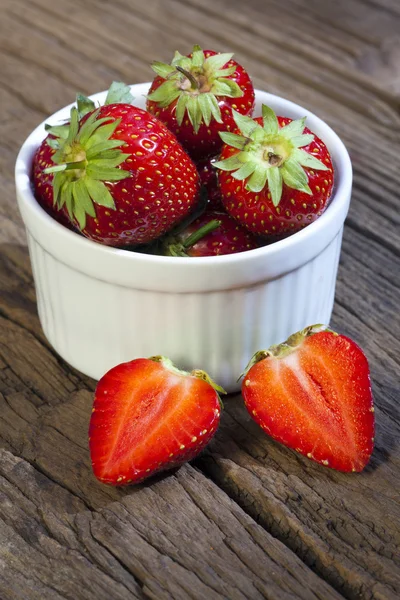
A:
249, 519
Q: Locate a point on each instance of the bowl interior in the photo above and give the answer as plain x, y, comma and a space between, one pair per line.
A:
188, 274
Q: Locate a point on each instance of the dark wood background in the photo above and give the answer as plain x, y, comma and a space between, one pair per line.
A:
249, 519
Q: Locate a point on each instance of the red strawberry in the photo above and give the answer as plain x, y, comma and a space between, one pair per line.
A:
194, 97
276, 176
148, 416
212, 234
209, 179
313, 394
42, 180
122, 177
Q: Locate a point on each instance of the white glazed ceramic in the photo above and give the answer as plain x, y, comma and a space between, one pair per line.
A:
100, 306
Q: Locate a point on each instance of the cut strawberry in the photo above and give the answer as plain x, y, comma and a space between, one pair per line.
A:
149, 416
313, 394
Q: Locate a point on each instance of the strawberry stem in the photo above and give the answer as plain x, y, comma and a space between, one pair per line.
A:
197, 235
189, 76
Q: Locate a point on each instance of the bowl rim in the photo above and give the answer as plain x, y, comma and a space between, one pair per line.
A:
54, 237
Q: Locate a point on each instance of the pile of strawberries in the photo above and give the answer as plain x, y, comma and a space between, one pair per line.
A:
195, 162
196, 175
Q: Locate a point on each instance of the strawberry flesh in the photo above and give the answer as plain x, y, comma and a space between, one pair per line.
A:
315, 399
147, 416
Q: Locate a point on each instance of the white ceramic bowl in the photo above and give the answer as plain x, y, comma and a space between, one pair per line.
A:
100, 306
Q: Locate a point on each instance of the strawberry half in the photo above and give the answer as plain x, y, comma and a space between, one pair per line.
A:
121, 176
149, 416
194, 97
276, 176
313, 394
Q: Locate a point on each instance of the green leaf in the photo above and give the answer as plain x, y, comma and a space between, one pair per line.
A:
270, 122
66, 198
274, 178
216, 62
78, 212
229, 164
294, 128
89, 127
302, 140
106, 174
165, 94
246, 124
85, 105
102, 134
257, 181
294, 176
308, 160
214, 106
234, 140
114, 159
99, 148
53, 143
82, 197
58, 180
59, 131
224, 72
177, 58
197, 57
162, 69
181, 108
245, 170
119, 93
205, 108
73, 126
194, 113
226, 87
99, 193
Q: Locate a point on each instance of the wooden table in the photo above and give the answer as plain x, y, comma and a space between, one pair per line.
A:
249, 519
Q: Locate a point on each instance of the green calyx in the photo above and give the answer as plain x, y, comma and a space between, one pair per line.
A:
285, 348
86, 157
269, 155
168, 364
195, 83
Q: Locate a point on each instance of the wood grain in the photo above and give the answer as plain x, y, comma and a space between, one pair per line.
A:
250, 519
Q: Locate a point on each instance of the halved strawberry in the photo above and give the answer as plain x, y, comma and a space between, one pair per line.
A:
313, 394
149, 416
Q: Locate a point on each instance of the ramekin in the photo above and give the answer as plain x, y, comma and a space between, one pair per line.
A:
100, 306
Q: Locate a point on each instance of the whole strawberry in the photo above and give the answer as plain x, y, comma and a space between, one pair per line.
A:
194, 97
313, 394
149, 416
276, 176
122, 177
43, 159
214, 233
209, 179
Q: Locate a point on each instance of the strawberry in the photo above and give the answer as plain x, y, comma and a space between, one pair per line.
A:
313, 394
121, 176
209, 179
212, 234
194, 97
43, 159
147, 417
275, 175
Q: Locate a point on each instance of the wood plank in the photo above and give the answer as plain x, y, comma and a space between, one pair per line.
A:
64, 535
